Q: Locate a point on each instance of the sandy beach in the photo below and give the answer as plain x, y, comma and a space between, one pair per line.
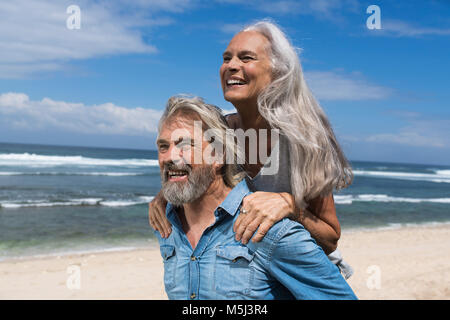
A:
406, 263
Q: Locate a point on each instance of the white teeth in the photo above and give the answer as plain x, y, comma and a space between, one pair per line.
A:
177, 173
235, 81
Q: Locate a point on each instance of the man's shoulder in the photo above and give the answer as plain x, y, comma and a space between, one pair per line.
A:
287, 232
170, 240
285, 226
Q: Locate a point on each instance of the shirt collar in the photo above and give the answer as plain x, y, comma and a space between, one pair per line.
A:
233, 201
231, 204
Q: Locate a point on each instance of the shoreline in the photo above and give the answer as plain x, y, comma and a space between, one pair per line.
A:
58, 255
397, 226
406, 263
153, 243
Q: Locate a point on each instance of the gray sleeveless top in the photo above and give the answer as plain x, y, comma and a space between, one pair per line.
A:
274, 176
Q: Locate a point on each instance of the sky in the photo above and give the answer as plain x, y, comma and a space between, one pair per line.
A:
102, 77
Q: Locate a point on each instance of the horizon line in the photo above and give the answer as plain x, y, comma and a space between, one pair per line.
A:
155, 150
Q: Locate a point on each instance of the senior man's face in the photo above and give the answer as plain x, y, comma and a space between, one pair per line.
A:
183, 180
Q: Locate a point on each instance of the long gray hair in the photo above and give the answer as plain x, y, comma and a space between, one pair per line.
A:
317, 162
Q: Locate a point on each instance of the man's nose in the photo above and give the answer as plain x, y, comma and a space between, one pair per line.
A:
178, 156
175, 154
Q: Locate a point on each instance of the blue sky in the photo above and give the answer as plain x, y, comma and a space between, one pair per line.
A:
385, 91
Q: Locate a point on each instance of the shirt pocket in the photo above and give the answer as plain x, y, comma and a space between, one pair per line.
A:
233, 275
168, 254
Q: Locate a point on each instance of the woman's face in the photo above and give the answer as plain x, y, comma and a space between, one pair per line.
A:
246, 69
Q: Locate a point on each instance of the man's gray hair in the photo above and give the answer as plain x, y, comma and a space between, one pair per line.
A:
214, 121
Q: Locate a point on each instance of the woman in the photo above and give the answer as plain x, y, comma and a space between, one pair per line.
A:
262, 77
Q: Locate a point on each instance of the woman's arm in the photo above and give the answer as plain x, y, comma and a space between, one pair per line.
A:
157, 216
321, 221
264, 209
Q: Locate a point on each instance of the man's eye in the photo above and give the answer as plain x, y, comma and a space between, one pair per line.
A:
226, 59
247, 58
162, 147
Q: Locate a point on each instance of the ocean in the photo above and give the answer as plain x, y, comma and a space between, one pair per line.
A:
57, 200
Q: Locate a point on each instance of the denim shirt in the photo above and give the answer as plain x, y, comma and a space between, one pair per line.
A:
286, 264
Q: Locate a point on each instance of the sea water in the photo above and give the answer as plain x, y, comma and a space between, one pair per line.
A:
57, 200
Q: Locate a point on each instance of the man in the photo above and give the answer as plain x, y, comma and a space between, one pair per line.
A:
202, 259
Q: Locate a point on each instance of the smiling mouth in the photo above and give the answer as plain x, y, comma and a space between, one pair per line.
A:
235, 83
177, 175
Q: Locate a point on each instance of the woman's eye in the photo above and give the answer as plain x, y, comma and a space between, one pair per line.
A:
247, 58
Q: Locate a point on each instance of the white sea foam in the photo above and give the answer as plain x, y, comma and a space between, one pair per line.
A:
349, 199
439, 180
35, 160
439, 175
8, 173
443, 173
123, 203
109, 174
75, 202
44, 203
119, 203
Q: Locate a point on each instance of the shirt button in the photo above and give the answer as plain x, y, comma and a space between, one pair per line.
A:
193, 296
193, 258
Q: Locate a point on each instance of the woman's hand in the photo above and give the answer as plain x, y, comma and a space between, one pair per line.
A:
157, 216
263, 210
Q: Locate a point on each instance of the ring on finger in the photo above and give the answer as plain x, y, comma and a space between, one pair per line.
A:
243, 211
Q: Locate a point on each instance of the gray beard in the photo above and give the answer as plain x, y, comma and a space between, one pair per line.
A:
178, 193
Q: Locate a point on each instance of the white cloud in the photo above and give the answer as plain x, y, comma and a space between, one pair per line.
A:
328, 9
18, 111
23, 70
408, 137
417, 130
398, 28
421, 131
34, 36
327, 85
158, 5
232, 28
